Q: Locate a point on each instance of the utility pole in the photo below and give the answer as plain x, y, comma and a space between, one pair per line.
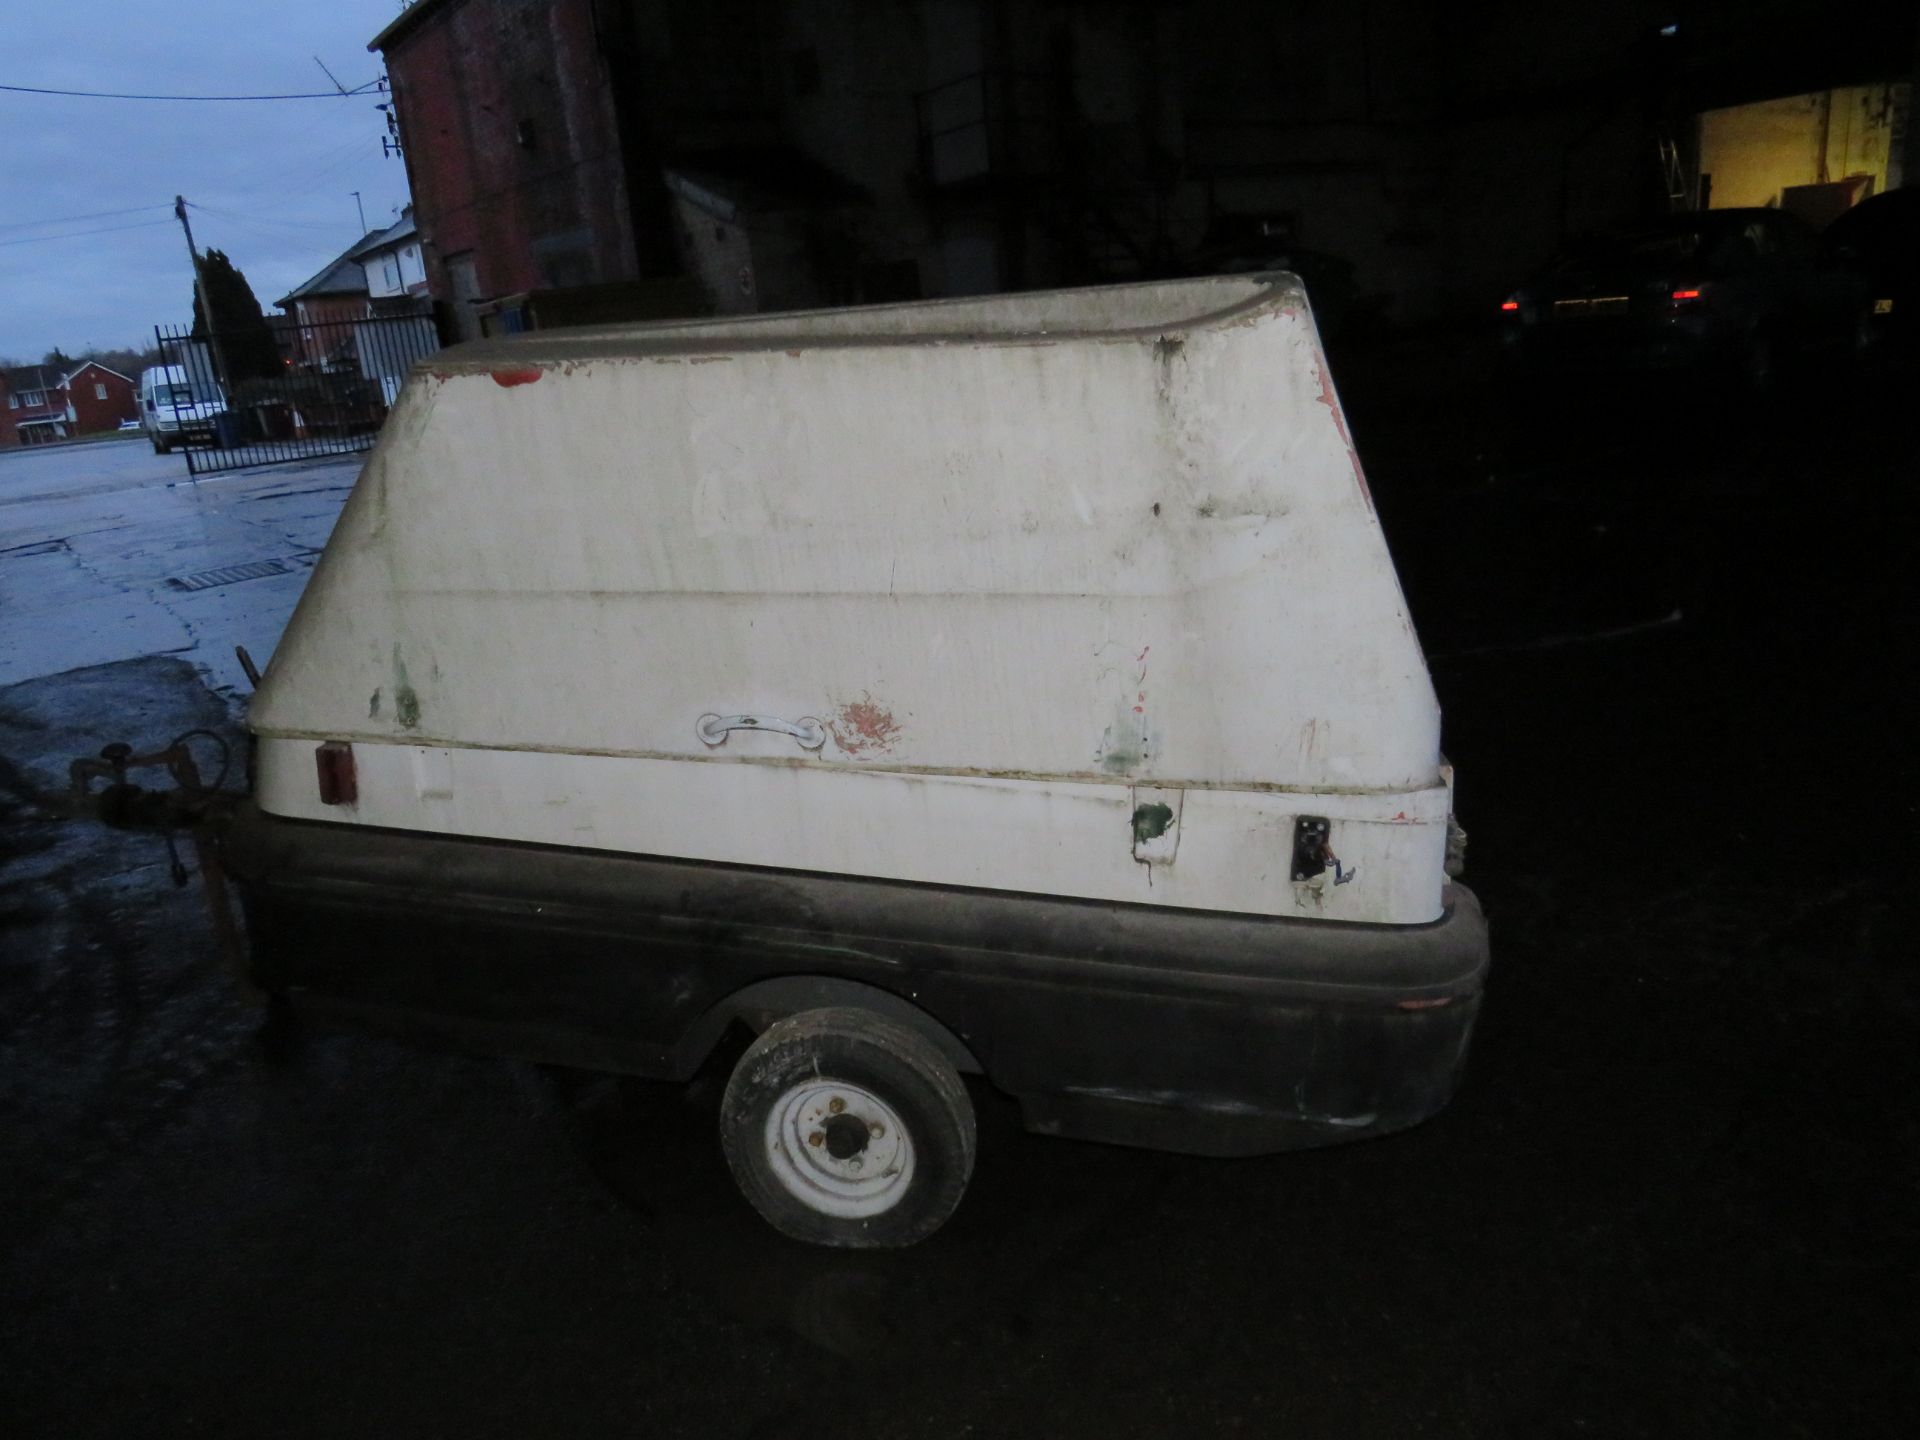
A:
361, 208
224, 376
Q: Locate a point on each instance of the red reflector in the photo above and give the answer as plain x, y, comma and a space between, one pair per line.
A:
1686, 294
339, 785
1509, 304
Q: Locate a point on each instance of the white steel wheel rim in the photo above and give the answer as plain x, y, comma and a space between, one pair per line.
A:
809, 1134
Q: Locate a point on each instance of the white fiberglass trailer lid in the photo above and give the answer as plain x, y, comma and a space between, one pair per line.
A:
1076, 593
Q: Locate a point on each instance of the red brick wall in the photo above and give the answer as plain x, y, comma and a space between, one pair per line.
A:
336, 312
93, 414
54, 402
331, 309
512, 145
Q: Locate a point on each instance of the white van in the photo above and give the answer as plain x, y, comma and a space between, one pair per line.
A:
178, 408
1015, 686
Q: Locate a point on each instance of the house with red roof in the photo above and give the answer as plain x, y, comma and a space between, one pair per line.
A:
39, 405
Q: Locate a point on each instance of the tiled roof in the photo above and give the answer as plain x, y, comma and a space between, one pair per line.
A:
29, 377
342, 276
400, 231
96, 365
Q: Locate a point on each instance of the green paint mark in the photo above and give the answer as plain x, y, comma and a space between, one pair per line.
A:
373, 704
1121, 748
1150, 822
406, 704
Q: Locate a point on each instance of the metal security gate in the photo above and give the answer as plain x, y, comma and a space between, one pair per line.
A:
285, 390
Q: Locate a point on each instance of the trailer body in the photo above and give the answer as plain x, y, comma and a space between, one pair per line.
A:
1030, 671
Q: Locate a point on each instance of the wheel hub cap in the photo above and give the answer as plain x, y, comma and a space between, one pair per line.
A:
839, 1149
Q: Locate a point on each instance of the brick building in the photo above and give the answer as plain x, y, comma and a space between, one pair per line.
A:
38, 405
784, 155
320, 306
391, 260
527, 186
35, 409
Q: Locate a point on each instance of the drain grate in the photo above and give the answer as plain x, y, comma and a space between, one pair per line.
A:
231, 575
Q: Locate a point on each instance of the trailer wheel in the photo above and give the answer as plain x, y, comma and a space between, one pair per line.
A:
845, 1128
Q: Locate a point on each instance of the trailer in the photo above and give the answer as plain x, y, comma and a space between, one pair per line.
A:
1016, 687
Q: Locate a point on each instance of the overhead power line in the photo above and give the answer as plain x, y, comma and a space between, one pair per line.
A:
256, 181
73, 219
244, 218
371, 87
76, 234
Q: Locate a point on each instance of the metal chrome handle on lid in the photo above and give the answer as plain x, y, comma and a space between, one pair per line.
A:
714, 729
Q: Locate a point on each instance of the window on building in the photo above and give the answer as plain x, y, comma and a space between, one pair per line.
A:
99, 390
13, 402
390, 267
31, 398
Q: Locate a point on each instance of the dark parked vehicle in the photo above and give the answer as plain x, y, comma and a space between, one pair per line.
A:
1735, 291
1877, 244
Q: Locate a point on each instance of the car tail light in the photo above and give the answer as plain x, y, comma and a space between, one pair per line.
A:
339, 784
1510, 304
1689, 295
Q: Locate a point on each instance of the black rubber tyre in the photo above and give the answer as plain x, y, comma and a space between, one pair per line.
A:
887, 1070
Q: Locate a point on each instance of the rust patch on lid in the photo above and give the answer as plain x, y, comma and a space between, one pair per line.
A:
1327, 398
861, 727
516, 375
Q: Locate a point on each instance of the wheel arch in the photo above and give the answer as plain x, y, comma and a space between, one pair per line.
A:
761, 1003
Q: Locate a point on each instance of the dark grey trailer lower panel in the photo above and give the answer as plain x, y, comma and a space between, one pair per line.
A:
1195, 1031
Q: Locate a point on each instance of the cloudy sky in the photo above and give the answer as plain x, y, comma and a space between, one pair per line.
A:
273, 180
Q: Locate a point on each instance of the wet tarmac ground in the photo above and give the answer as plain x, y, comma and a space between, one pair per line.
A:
1676, 1196
110, 552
